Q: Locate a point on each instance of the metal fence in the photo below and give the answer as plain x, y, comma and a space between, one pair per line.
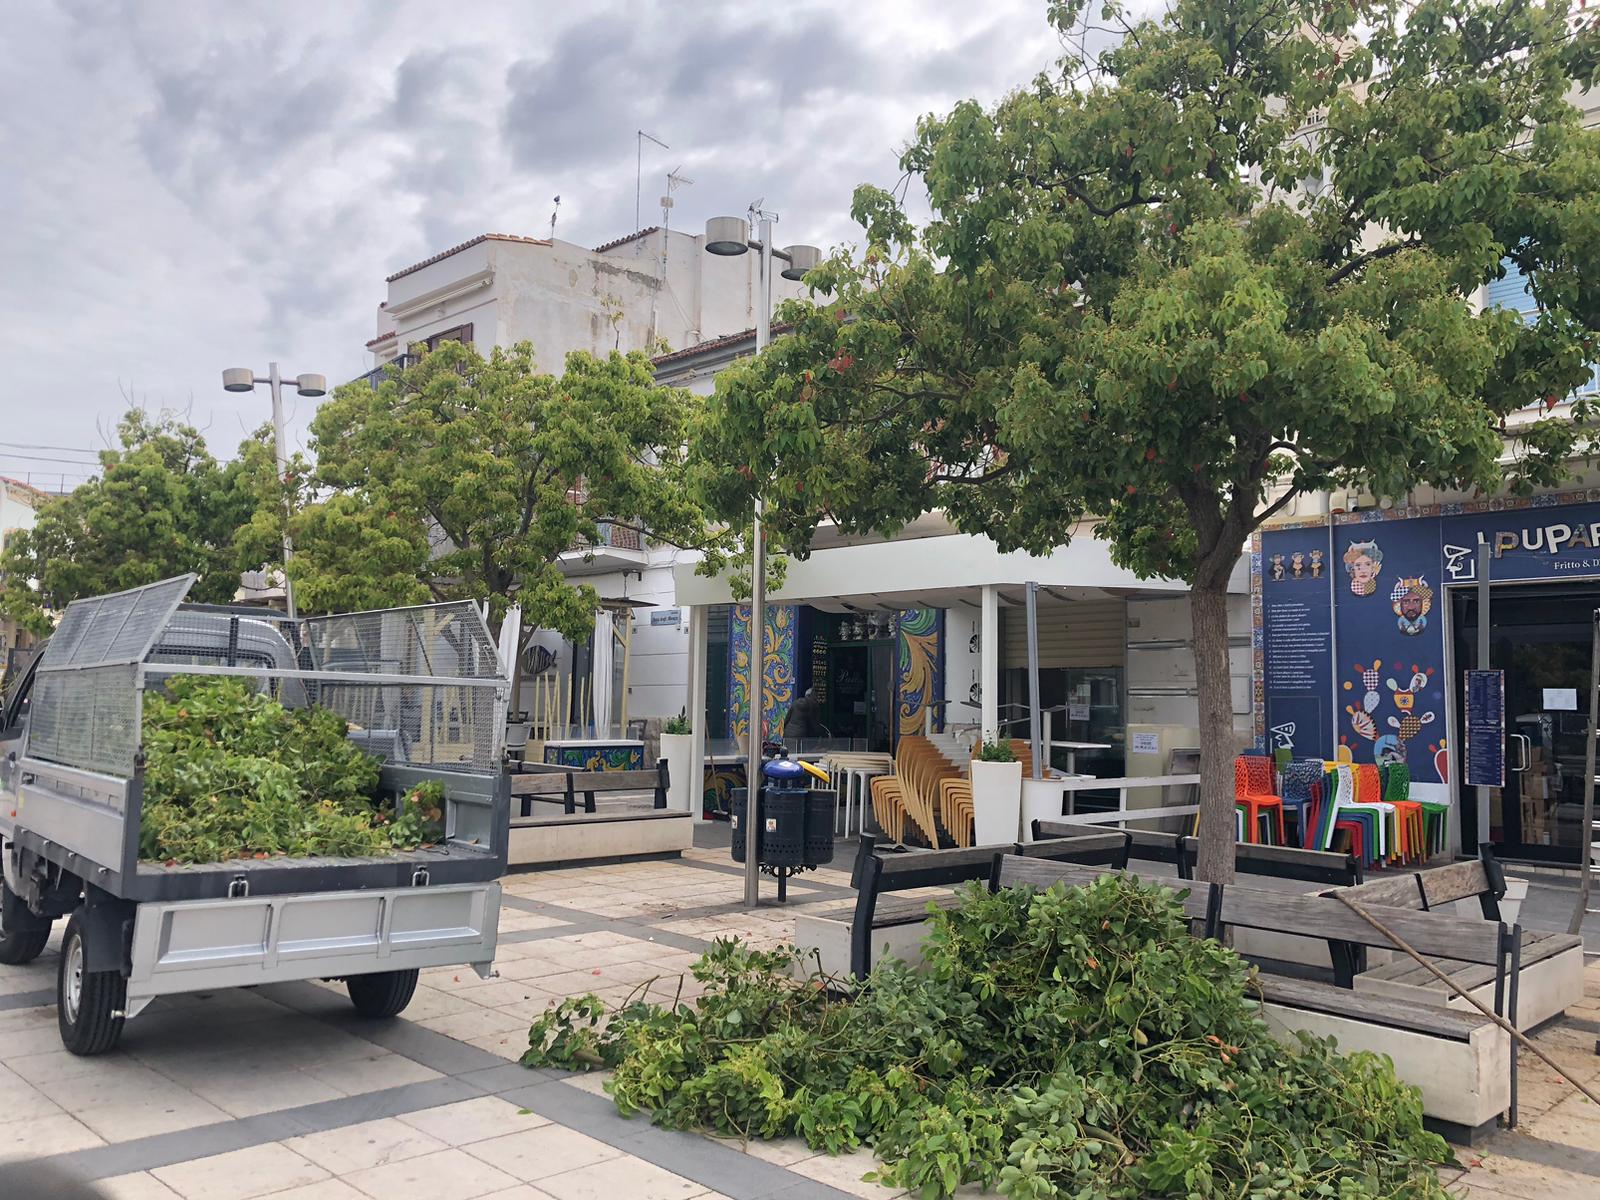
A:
420, 686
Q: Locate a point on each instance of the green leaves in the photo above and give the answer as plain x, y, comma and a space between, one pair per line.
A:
161, 506
231, 773
465, 476
1064, 1043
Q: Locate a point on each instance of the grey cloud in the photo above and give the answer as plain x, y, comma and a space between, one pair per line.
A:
203, 185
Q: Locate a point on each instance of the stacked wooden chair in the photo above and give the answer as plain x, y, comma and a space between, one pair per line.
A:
928, 799
955, 795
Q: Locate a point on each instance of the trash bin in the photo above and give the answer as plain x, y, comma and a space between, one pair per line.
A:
795, 821
783, 813
821, 807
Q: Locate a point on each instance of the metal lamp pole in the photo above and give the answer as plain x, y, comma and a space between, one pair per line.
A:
242, 379
730, 236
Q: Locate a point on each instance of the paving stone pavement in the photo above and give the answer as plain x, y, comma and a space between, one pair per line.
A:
283, 1092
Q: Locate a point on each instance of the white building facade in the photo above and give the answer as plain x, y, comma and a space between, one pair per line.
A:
656, 291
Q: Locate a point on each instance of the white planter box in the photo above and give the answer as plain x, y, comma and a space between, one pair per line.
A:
676, 748
996, 801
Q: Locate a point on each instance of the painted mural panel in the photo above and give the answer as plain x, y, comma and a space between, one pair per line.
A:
920, 674
1389, 625
778, 668
1295, 640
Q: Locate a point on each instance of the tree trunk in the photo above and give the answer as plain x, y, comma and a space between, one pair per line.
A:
1208, 609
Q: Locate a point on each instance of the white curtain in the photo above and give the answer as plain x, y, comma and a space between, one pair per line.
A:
600, 673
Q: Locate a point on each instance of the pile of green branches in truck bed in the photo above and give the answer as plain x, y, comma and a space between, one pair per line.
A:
231, 773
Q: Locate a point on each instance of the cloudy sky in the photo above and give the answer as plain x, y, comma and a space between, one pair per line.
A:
186, 186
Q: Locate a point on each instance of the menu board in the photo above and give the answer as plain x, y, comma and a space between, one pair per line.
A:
1297, 640
1486, 728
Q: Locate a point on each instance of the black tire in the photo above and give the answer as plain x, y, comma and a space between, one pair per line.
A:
383, 994
89, 1004
20, 946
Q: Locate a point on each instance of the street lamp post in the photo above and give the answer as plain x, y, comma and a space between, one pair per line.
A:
731, 236
242, 379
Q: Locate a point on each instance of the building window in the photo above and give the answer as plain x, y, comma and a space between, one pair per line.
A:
461, 333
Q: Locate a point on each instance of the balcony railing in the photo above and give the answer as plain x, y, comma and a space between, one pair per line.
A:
613, 537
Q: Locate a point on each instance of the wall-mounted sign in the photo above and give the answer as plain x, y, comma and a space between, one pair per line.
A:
667, 616
1486, 728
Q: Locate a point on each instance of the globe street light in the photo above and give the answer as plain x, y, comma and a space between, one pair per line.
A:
730, 236
242, 379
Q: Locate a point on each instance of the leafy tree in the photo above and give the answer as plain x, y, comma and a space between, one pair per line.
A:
465, 476
1230, 259
161, 506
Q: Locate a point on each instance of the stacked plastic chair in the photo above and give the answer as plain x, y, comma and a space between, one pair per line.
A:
1435, 826
1302, 783
1255, 793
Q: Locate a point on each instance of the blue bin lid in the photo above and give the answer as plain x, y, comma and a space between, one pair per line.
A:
782, 768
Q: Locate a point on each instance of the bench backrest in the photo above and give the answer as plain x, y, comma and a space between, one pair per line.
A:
544, 783
1015, 870
1432, 935
1482, 880
1288, 862
1143, 844
918, 868
1099, 848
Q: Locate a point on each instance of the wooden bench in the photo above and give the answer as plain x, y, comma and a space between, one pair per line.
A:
1459, 1059
1278, 862
1200, 900
551, 784
1550, 965
879, 922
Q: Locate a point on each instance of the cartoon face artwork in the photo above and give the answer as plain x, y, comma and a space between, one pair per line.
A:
1412, 600
1277, 568
1363, 561
1297, 563
1410, 721
1316, 564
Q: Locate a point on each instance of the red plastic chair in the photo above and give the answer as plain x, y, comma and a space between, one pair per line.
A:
1253, 787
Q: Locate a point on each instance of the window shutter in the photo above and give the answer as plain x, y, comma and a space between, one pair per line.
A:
1510, 292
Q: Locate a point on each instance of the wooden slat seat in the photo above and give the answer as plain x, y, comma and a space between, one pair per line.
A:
1312, 996
550, 784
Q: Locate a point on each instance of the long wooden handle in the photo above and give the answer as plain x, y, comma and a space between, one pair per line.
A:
1516, 1034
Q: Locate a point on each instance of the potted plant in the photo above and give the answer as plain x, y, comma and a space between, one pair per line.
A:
996, 794
677, 745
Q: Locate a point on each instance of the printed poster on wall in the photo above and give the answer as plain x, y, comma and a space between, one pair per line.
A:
1390, 626
1297, 640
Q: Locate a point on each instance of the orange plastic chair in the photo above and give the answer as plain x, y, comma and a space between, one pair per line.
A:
1253, 785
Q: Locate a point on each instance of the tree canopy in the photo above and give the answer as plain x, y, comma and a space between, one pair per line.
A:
162, 505
465, 476
1232, 258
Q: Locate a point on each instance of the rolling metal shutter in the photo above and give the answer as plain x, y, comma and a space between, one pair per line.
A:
1085, 633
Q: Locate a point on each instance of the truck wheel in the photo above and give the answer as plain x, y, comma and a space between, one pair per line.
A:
19, 946
382, 994
89, 1004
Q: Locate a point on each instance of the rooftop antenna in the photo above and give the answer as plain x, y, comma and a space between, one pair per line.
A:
674, 182
638, 174
553, 212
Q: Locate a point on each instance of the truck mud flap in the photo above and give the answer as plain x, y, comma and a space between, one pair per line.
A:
198, 945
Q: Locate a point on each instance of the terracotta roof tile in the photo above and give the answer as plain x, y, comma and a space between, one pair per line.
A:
470, 242
706, 347
380, 339
625, 239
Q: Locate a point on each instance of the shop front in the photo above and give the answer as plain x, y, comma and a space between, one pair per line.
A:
1367, 624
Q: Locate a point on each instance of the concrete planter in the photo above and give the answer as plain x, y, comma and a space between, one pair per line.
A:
676, 748
996, 801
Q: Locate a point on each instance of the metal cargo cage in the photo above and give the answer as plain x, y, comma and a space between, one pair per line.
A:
424, 690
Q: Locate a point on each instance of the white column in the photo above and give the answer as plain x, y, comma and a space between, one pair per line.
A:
698, 636
989, 658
